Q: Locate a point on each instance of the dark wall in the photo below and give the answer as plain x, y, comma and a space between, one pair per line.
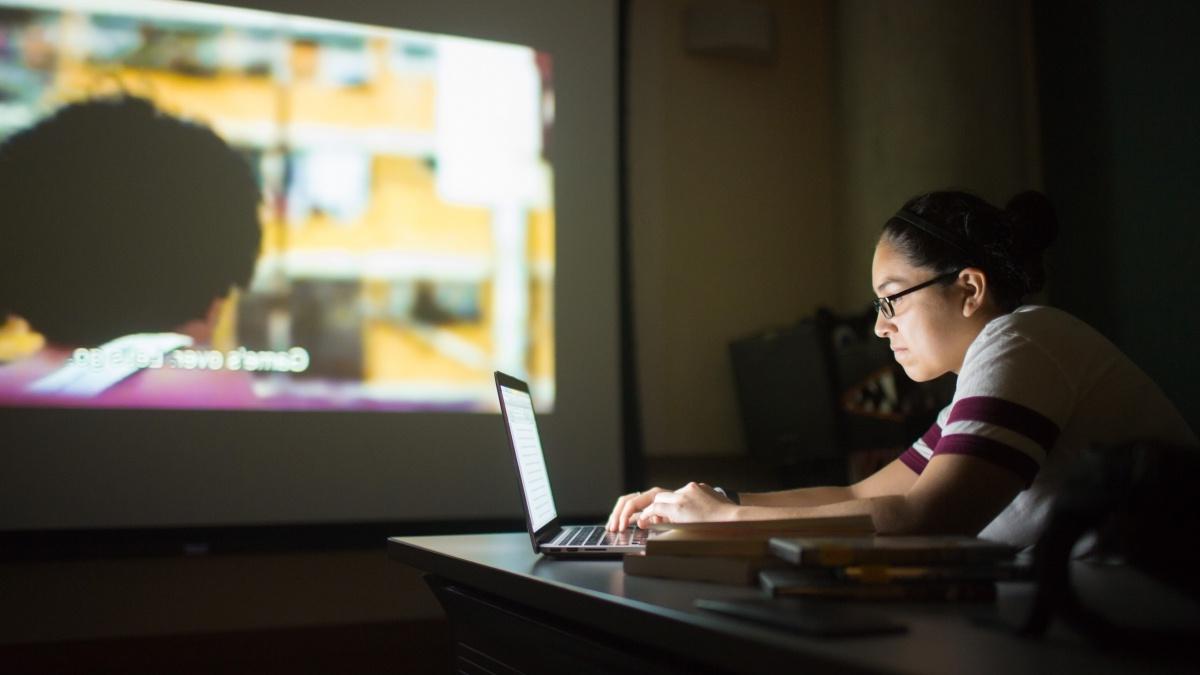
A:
1120, 104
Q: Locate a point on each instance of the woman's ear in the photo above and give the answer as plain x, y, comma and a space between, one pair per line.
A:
973, 283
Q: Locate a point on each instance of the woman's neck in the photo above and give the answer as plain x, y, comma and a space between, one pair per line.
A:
974, 325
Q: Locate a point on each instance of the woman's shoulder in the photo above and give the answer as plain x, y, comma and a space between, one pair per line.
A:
1040, 358
1048, 346
1030, 318
1048, 328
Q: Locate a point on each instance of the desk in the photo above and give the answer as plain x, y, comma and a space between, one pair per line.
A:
513, 611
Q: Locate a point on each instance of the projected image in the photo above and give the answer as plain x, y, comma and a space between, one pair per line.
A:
394, 246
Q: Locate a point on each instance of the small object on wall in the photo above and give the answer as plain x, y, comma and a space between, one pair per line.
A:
742, 29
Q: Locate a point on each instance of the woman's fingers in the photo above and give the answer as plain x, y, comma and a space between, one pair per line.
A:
690, 503
622, 502
655, 505
659, 511
644, 521
666, 506
637, 504
612, 517
628, 506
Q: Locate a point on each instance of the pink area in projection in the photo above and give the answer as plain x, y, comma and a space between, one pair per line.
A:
198, 390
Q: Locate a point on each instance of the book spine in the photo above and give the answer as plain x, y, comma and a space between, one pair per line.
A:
842, 556
736, 548
741, 571
900, 592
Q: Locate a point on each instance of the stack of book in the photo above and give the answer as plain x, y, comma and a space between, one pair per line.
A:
729, 552
910, 568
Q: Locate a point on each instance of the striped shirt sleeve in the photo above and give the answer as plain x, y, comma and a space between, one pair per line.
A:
1010, 403
919, 453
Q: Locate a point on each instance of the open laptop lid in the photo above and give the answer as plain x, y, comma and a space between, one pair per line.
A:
520, 425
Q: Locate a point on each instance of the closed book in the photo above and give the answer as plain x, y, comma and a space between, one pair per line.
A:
999, 571
820, 583
889, 550
813, 526
747, 538
716, 569
751, 544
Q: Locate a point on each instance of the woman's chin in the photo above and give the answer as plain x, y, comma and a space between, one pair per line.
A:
916, 373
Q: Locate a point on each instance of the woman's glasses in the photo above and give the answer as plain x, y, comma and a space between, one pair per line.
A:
884, 305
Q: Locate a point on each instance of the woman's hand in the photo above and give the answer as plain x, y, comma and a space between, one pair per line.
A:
630, 505
694, 502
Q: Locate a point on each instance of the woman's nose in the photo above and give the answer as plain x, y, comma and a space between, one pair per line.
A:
883, 326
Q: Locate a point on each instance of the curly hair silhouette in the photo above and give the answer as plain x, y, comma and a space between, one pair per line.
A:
120, 219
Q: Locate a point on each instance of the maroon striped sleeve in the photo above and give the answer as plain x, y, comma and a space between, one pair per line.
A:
1004, 413
932, 436
991, 450
913, 460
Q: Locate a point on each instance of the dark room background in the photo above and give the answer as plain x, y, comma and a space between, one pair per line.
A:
757, 188
1121, 129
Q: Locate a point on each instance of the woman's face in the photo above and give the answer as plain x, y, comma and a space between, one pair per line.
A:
928, 334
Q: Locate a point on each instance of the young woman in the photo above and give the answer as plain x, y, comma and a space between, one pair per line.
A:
1035, 386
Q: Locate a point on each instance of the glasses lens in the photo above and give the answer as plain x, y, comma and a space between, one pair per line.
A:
884, 305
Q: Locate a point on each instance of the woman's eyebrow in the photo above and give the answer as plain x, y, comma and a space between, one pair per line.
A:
886, 281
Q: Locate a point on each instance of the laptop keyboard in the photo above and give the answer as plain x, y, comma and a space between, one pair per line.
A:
596, 535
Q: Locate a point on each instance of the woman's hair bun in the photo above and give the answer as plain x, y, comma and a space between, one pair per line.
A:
1035, 226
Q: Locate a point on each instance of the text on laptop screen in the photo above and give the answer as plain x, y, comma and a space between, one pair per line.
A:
531, 462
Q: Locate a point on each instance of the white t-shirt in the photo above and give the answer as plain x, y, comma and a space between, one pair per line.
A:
1038, 387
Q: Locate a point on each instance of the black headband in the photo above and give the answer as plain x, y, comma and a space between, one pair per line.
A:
936, 232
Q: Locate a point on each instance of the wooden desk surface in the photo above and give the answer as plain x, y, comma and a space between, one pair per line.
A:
658, 614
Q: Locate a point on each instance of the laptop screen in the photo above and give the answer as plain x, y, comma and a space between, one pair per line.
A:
531, 462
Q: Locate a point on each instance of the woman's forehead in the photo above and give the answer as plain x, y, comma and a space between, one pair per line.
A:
890, 266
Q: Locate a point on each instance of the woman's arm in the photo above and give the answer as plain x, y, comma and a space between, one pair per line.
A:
955, 494
799, 497
893, 479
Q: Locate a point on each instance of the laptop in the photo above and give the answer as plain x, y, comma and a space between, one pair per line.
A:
541, 516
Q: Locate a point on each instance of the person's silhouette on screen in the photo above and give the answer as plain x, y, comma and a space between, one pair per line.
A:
120, 220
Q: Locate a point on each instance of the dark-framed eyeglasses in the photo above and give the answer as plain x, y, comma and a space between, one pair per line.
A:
884, 305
